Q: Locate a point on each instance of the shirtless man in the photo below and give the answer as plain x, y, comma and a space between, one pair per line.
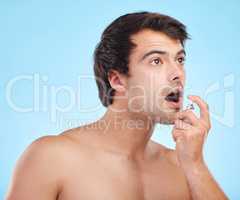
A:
139, 69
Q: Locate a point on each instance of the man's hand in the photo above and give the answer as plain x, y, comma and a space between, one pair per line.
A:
189, 134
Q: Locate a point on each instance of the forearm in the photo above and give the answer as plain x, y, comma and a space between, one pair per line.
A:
202, 184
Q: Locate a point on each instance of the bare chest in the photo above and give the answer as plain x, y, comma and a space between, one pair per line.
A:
117, 180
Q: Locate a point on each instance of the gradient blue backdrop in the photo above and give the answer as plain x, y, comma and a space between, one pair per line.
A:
55, 41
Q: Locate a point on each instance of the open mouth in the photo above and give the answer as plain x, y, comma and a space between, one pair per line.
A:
174, 96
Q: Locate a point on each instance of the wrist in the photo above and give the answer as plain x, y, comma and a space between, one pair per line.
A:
195, 168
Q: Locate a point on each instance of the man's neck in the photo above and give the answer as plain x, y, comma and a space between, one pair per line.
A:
126, 133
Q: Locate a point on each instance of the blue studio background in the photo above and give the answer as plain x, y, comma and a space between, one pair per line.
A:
46, 60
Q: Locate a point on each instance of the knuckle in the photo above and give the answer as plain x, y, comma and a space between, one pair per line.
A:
204, 126
189, 113
209, 125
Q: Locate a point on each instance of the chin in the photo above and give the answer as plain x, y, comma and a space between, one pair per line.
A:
166, 118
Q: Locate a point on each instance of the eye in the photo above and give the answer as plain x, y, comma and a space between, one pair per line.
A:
181, 60
156, 61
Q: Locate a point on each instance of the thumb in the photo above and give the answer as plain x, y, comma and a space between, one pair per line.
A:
177, 134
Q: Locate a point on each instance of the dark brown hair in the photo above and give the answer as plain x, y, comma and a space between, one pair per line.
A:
113, 51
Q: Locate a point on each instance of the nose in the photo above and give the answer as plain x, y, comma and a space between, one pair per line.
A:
177, 74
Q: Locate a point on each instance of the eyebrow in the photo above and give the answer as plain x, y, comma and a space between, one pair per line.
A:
182, 51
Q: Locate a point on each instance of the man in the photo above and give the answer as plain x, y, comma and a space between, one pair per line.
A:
139, 70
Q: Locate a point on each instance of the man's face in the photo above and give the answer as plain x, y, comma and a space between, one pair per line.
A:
156, 66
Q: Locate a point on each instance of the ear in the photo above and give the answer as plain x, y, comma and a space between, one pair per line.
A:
117, 80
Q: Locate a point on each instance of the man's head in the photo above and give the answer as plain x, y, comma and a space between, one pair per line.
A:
139, 62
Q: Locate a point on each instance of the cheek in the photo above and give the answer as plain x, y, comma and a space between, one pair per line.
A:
138, 79
138, 91
147, 82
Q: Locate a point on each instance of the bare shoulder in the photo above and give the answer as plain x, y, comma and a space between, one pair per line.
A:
43, 163
42, 151
49, 147
55, 148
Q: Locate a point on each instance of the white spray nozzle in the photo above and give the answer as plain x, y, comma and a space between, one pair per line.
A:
190, 106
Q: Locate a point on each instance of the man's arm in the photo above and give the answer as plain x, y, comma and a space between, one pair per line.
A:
35, 175
189, 134
202, 184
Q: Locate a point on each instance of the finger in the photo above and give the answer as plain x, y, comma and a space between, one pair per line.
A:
188, 116
204, 108
182, 125
179, 140
177, 134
